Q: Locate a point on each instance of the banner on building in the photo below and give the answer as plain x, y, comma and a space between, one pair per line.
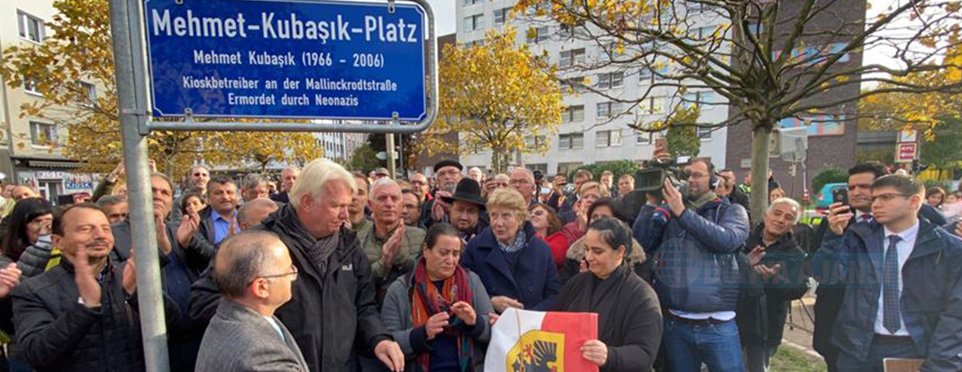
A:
527, 341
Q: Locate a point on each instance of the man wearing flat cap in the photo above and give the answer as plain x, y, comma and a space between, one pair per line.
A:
466, 211
448, 173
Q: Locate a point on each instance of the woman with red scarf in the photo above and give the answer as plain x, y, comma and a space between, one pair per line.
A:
439, 313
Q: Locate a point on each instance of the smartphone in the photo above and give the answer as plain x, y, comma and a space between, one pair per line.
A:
840, 195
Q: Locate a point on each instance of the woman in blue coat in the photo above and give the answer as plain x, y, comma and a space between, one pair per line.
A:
516, 267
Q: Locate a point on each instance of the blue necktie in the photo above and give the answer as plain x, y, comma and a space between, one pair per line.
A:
891, 319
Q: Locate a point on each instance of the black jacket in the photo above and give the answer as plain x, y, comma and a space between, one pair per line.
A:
761, 314
56, 333
328, 313
629, 316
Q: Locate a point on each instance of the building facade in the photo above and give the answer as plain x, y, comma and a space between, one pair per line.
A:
339, 146
594, 126
29, 151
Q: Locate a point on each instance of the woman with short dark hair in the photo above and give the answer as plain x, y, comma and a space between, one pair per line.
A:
629, 315
27, 240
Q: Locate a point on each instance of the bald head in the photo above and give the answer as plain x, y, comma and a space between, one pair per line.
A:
244, 257
254, 212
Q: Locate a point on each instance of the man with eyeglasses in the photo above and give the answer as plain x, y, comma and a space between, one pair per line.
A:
828, 297
448, 173
254, 272
333, 314
197, 179
903, 297
695, 238
421, 186
522, 179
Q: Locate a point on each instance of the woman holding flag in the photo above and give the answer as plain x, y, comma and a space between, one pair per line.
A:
629, 315
438, 313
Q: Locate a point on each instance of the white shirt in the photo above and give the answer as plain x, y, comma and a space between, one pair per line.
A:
277, 327
905, 247
718, 315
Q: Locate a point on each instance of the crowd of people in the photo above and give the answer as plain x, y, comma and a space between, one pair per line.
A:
329, 270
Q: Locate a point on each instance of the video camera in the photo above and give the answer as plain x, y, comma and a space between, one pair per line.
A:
651, 178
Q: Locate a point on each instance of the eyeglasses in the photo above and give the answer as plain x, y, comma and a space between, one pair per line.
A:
887, 197
292, 273
417, 183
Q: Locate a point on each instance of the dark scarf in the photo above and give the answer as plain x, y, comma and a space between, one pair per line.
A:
318, 251
701, 201
599, 296
427, 300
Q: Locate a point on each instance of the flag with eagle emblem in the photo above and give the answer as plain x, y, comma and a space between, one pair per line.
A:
536, 341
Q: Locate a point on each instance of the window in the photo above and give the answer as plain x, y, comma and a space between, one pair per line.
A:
608, 109
704, 133
89, 93
471, 2
31, 28
573, 114
643, 138
537, 34
576, 85
501, 15
608, 138
534, 141
540, 167
42, 134
573, 31
565, 168
571, 141
702, 33
475, 22
652, 105
572, 57
702, 99
610, 80
30, 85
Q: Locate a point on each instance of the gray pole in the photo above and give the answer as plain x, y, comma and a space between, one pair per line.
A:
131, 100
390, 155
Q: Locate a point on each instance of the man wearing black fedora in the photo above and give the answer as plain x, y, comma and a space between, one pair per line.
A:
466, 211
448, 174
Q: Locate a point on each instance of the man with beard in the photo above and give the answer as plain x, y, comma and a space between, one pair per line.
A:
411, 204
288, 176
466, 209
357, 211
219, 219
448, 173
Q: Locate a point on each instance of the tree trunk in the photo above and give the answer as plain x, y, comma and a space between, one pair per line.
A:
496, 159
761, 133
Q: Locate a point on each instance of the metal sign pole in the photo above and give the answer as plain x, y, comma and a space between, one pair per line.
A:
125, 32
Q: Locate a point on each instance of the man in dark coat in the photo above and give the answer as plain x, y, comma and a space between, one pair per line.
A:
448, 173
77, 316
333, 310
776, 268
828, 297
902, 297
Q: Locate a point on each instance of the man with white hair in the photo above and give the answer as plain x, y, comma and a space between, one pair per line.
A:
476, 174
776, 263
522, 179
333, 301
391, 247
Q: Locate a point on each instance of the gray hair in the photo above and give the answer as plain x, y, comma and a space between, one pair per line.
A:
110, 200
315, 175
240, 260
790, 202
382, 182
527, 172
251, 181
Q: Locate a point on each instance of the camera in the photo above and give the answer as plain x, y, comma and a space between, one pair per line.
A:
651, 178
538, 176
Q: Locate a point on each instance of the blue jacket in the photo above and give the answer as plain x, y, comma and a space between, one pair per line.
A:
533, 282
931, 302
696, 267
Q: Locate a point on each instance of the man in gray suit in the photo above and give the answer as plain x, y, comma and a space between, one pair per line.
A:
254, 272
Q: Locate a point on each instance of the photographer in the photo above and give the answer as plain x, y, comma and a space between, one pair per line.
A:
695, 237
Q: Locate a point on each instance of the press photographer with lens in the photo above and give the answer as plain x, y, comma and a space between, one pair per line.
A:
694, 236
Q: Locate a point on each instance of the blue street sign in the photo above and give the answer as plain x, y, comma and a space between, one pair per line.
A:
286, 59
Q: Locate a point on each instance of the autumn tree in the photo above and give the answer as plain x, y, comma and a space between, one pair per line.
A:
495, 95
769, 60
73, 69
